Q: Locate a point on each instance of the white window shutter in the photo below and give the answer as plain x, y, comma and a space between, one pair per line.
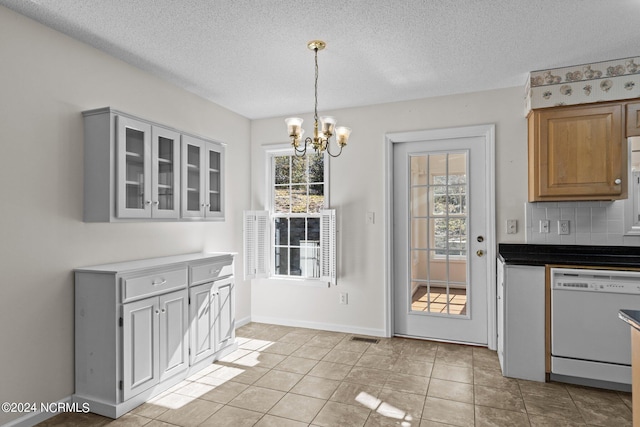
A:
256, 244
328, 245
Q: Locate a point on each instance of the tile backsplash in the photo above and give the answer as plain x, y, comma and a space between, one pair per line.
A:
590, 223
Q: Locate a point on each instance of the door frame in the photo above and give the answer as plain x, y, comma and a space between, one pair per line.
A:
486, 131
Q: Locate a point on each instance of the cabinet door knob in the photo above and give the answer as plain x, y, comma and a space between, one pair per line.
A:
148, 202
480, 252
618, 181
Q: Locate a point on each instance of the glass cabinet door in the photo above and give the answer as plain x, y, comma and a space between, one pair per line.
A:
214, 205
202, 178
134, 167
165, 163
192, 167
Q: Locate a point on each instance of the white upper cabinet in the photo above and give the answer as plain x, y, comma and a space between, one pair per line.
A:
136, 170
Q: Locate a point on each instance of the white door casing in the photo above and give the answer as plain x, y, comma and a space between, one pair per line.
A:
484, 136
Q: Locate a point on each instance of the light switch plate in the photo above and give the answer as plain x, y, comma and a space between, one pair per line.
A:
512, 226
544, 225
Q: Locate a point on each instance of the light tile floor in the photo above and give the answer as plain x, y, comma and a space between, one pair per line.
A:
282, 376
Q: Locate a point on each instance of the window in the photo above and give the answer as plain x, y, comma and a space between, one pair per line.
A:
295, 236
298, 197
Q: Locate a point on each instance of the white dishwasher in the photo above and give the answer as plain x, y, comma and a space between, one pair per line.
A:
588, 340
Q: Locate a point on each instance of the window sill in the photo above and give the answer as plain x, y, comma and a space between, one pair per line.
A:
315, 283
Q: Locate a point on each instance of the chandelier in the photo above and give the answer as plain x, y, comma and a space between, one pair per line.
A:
322, 134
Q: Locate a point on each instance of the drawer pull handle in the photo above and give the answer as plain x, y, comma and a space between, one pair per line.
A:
154, 283
214, 271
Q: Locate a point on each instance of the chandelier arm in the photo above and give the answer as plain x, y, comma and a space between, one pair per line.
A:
301, 153
329, 151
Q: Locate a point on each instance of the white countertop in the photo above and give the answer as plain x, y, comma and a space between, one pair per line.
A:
118, 267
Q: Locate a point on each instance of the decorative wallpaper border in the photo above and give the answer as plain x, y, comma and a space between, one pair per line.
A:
582, 84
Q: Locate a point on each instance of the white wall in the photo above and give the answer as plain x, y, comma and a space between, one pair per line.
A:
46, 80
357, 182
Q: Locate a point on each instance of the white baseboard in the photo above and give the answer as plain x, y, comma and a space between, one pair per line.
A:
243, 321
318, 325
36, 417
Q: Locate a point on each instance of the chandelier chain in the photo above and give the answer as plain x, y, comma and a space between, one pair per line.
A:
315, 111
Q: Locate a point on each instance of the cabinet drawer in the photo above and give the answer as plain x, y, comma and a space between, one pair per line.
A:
153, 284
212, 271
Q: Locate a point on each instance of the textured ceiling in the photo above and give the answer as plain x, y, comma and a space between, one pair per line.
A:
250, 56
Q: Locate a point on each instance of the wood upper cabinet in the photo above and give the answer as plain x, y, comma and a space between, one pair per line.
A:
577, 153
633, 119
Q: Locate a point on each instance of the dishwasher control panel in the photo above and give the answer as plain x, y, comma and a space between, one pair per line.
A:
610, 281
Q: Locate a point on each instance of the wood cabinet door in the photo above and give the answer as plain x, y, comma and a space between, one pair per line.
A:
225, 312
174, 344
577, 154
202, 315
140, 355
633, 119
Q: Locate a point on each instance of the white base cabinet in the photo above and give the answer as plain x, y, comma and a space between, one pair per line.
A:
521, 325
143, 326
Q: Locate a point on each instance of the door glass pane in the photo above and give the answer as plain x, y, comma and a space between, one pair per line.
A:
193, 178
134, 169
438, 243
166, 169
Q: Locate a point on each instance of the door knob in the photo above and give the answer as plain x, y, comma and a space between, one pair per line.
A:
480, 252
480, 239
618, 181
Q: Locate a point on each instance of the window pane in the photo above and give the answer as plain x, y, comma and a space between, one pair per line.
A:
316, 198
316, 168
419, 265
282, 202
297, 231
282, 231
298, 169
418, 170
419, 201
419, 233
282, 170
294, 262
299, 198
281, 261
313, 230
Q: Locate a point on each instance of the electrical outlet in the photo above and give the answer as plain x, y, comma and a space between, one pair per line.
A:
344, 298
563, 226
512, 226
544, 225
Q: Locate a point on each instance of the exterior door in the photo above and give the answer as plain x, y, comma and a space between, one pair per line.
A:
440, 267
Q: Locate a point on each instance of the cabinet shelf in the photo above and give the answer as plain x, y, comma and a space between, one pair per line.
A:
134, 183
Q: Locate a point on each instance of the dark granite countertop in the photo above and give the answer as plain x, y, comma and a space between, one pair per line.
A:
632, 317
605, 256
